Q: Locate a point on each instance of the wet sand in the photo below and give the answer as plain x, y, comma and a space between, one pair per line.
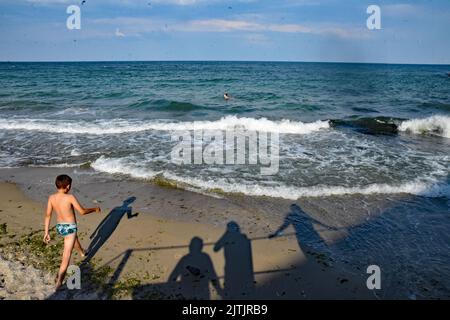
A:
146, 238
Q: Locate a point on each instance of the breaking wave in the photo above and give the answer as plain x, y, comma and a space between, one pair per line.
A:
126, 126
435, 125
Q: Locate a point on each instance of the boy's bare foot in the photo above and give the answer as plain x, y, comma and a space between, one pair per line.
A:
58, 285
58, 282
83, 253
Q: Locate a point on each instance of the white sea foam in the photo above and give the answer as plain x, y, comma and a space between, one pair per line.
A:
127, 126
56, 165
293, 193
75, 152
437, 125
121, 166
424, 187
75, 111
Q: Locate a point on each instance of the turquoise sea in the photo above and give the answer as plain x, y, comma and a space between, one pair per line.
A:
345, 130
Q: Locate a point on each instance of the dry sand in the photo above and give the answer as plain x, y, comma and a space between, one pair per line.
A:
148, 244
21, 282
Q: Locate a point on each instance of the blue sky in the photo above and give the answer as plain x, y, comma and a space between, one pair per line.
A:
277, 30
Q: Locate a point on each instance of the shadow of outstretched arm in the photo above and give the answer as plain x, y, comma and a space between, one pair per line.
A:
130, 215
220, 243
283, 227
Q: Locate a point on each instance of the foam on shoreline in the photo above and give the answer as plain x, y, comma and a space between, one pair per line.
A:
425, 187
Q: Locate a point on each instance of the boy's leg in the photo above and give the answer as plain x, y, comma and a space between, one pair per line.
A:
79, 248
69, 242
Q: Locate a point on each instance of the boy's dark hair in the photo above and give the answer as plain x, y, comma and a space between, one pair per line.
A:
62, 181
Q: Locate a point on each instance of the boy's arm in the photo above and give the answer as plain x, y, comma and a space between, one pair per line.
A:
48, 216
82, 210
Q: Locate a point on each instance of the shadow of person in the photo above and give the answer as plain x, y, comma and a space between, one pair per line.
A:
106, 228
239, 279
195, 270
307, 236
310, 275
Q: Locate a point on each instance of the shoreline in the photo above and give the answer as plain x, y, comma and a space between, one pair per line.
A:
138, 253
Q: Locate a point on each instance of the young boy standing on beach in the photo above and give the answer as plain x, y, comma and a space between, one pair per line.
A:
64, 204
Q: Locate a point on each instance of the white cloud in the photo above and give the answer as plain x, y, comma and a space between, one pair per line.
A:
138, 26
121, 2
119, 34
222, 25
49, 1
194, 2
177, 2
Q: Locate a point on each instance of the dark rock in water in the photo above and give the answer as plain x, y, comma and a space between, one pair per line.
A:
86, 165
378, 125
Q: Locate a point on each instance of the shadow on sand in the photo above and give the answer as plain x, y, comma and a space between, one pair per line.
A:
191, 276
239, 279
305, 230
190, 279
306, 276
194, 273
109, 224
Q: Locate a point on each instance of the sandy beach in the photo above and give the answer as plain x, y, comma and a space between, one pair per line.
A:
138, 246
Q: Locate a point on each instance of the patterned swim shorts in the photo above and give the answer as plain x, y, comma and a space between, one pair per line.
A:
65, 229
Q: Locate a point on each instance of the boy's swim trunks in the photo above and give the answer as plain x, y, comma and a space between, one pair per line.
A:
65, 229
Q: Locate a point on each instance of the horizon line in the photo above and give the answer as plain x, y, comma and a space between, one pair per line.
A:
268, 61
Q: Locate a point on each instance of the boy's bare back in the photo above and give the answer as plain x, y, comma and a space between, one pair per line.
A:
64, 204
